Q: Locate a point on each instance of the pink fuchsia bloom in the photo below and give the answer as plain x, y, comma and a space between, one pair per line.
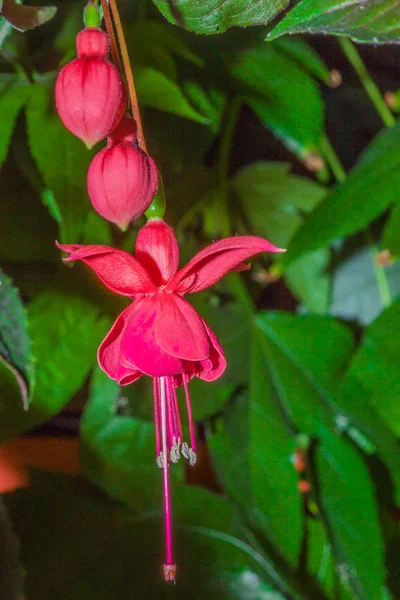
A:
160, 334
90, 93
122, 179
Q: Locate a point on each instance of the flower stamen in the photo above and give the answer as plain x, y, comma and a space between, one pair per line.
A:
169, 566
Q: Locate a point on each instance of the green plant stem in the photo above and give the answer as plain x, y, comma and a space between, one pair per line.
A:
370, 87
380, 273
333, 159
340, 175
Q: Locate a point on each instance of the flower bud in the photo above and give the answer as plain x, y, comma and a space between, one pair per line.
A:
90, 92
122, 179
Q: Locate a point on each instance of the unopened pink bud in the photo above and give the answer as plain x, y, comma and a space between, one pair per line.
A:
92, 42
122, 179
90, 92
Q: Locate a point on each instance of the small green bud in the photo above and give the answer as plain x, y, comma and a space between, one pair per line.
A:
91, 15
156, 209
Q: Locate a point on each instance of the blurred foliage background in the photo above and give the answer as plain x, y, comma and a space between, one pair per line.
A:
297, 491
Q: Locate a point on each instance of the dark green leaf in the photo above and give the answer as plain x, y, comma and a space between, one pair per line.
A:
96, 230
391, 237
26, 17
64, 169
215, 16
277, 502
112, 553
358, 201
309, 280
156, 44
273, 200
211, 104
157, 91
347, 501
231, 323
284, 96
305, 358
65, 330
273, 203
376, 366
13, 96
15, 346
27, 230
11, 572
375, 21
305, 56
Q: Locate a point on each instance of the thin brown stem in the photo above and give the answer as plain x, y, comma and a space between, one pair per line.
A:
128, 73
111, 35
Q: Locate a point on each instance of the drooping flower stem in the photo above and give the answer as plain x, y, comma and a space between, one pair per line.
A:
128, 74
169, 567
110, 33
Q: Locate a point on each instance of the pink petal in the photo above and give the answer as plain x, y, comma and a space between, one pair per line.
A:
158, 250
179, 329
117, 269
139, 347
215, 366
109, 353
212, 263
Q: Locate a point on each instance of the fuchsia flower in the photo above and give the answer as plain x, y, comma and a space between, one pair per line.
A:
122, 179
160, 334
90, 92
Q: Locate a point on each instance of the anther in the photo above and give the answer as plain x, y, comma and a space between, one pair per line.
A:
185, 450
161, 460
169, 572
192, 457
174, 452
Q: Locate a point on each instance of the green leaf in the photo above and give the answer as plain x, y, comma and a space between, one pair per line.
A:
273, 200
376, 366
15, 346
115, 553
347, 500
13, 95
358, 201
391, 238
64, 168
278, 504
211, 104
375, 21
24, 218
305, 357
305, 56
24, 17
5, 30
273, 203
231, 323
65, 330
216, 16
157, 91
284, 96
268, 497
355, 292
11, 571
156, 44
308, 279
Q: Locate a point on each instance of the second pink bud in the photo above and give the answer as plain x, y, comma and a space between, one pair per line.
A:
122, 179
